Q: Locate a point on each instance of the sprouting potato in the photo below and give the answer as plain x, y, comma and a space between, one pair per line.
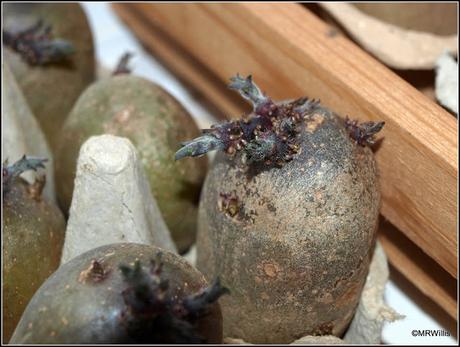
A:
288, 217
33, 236
124, 293
49, 48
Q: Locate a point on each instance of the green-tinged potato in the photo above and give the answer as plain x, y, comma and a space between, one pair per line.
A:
33, 236
135, 108
123, 293
288, 218
51, 89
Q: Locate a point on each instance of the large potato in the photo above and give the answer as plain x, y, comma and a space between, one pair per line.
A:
290, 227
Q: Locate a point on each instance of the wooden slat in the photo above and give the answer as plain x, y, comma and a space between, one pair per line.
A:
292, 53
431, 279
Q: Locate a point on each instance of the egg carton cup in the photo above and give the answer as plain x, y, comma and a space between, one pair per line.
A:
112, 200
22, 134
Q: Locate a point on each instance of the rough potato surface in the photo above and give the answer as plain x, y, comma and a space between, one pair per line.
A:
294, 243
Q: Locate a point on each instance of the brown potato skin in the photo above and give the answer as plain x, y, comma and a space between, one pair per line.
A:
33, 236
67, 309
296, 255
51, 90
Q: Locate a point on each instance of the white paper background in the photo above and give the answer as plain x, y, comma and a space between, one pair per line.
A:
112, 39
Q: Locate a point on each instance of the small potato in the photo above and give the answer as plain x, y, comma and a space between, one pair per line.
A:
135, 108
33, 236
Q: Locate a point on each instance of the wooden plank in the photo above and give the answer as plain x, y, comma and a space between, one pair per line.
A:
431, 279
292, 53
